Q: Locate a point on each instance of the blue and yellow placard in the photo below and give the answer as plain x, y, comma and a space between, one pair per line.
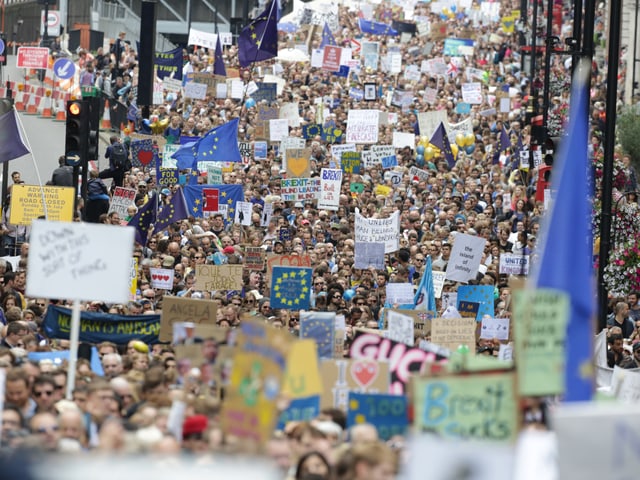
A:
388, 413
319, 326
291, 287
300, 410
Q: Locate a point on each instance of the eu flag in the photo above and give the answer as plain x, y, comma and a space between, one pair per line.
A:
425, 298
320, 326
567, 244
227, 196
327, 37
441, 140
142, 220
217, 145
174, 211
504, 142
143, 152
291, 288
259, 40
376, 28
11, 144
218, 64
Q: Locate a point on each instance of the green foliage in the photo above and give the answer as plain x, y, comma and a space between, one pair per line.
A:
628, 127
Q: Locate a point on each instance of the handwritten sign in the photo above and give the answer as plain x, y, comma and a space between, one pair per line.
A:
362, 126
181, 309
495, 328
514, 264
450, 333
465, 257
300, 189
301, 409
122, 199
400, 293
197, 91
342, 376
400, 327
330, 184
388, 413
26, 203
77, 261
378, 230
351, 162
254, 258
161, 278
218, 277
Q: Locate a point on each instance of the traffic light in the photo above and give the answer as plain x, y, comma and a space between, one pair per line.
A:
77, 132
94, 127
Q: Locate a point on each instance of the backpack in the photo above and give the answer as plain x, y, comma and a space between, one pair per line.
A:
118, 155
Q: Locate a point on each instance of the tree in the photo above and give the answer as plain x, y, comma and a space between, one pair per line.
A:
628, 126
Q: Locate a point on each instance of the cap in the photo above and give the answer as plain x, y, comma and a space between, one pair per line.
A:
168, 261
165, 191
195, 424
305, 222
298, 205
142, 183
228, 250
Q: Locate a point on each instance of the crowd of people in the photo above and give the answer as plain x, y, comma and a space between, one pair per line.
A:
146, 400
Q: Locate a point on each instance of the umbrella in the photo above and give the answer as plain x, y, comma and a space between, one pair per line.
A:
292, 55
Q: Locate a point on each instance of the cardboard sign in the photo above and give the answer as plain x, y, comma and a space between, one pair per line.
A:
181, 309
540, 318
490, 411
319, 326
250, 408
218, 277
298, 164
450, 333
26, 203
302, 376
342, 376
254, 258
388, 413
77, 261
162, 278
465, 257
421, 320
378, 230
286, 261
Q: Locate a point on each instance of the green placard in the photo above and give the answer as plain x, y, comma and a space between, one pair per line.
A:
480, 407
540, 328
356, 188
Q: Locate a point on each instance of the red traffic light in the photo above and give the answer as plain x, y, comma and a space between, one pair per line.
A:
75, 108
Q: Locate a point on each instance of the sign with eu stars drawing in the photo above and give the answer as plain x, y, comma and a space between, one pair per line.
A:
290, 288
320, 326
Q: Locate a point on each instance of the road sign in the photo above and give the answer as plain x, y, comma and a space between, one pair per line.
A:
53, 25
1, 46
64, 68
73, 159
33, 57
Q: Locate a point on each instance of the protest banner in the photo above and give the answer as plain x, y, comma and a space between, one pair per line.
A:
161, 278
254, 258
495, 328
450, 333
362, 126
102, 327
514, 264
291, 287
480, 294
286, 261
421, 320
250, 411
351, 162
400, 327
291, 112
303, 409
331, 58
403, 139
302, 375
122, 199
403, 360
218, 277
400, 293
338, 151
182, 309
214, 174
319, 326
27, 203
455, 47
438, 282
378, 230
300, 189
429, 121
380, 152
465, 257
490, 411
298, 164
472, 93
77, 261
388, 413
418, 174
369, 255
330, 184
341, 376
540, 318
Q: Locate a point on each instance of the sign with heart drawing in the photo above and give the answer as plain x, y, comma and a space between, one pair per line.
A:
298, 165
161, 278
339, 377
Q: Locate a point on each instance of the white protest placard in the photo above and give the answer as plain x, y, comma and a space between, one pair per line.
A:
603, 431
161, 278
338, 149
449, 299
403, 139
280, 82
438, 282
266, 214
429, 121
400, 327
122, 199
243, 213
278, 129
378, 230
430, 95
412, 73
472, 93
290, 112
495, 328
226, 38
400, 293
214, 174
171, 84
330, 184
202, 39
77, 261
195, 90
378, 152
514, 264
505, 104
167, 153
362, 126
237, 88
289, 143
416, 173
625, 384
465, 257
369, 255
317, 56
221, 90
394, 61
464, 127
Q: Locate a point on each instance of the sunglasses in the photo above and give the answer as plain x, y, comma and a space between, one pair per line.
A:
39, 394
42, 430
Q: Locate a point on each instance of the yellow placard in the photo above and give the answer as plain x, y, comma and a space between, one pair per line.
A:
382, 190
26, 203
133, 278
302, 376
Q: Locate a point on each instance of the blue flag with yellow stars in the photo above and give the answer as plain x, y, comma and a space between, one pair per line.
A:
142, 221
291, 288
174, 211
219, 144
376, 28
227, 196
504, 142
218, 63
259, 40
441, 140
481, 294
327, 37
11, 144
311, 130
321, 327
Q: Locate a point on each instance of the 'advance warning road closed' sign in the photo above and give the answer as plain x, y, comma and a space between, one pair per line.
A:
26, 204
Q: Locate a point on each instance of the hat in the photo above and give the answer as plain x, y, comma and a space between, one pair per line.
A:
228, 250
298, 205
194, 424
165, 191
305, 222
142, 183
335, 225
168, 261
